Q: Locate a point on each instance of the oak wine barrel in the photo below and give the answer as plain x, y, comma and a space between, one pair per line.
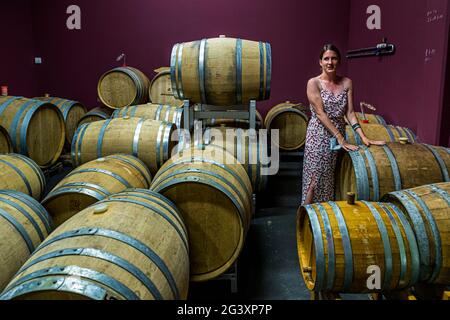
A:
215, 201
291, 123
160, 90
148, 140
373, 172
72, 112
24, 224
96, 114
152, 111
221, 71
380, 132
130, 246
123, 86
428, 210
19, 173
337, 243
93, 182
247, 150
36, 128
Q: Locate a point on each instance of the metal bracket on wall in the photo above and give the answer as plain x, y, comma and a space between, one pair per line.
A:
380, 49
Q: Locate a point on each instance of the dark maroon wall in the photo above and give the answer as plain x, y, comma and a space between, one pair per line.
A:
17, 69
406, 88
146, 31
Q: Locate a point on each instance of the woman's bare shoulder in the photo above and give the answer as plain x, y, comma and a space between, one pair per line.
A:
347, 82
313, 82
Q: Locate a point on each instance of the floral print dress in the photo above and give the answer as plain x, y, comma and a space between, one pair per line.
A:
319, 161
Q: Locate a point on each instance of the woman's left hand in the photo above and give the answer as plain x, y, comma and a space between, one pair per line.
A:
369, 142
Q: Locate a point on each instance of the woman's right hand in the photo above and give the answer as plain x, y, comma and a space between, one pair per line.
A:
347, 146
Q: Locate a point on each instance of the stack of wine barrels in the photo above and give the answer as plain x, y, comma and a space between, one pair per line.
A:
36, 128
291, 123
215, 200
132, 245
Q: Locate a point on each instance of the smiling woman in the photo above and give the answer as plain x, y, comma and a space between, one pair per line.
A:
331, 100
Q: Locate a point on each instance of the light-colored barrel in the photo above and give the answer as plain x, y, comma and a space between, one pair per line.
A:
152, 111
380, 132
123, 86
291, 123
22, 174
96, 114
5, 141
215, 201
338, 243
148, 140
36, 128
236, 123
128, 247
24, 224
372, 118
221, 71
428, 210
375, 171
160, 90
93, 182
246, 148
72, 112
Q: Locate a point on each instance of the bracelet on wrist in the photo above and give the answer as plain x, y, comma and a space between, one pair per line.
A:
356, 126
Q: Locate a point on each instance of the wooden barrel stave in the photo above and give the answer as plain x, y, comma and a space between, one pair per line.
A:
122, 254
